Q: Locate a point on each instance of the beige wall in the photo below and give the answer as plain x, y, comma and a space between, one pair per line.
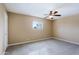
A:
20, 28
3, 29
67, 28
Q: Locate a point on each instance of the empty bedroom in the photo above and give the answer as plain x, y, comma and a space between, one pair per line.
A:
39, 28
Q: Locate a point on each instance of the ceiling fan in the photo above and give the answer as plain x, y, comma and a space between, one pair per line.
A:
51, 14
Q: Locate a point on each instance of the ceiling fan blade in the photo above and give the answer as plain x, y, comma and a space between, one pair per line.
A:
50, 13
45, 17
55, 12
57, 15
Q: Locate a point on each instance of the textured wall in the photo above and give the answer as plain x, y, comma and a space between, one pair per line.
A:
20, 28
67, 28
3, 29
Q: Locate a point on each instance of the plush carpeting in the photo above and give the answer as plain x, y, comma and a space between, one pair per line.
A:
45, 47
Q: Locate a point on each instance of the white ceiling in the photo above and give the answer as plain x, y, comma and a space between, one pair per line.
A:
40, 9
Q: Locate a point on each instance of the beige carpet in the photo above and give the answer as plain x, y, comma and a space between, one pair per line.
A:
45, 47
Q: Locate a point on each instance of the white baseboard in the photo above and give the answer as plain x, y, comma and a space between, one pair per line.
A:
3, 52
28, 41
65, 40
